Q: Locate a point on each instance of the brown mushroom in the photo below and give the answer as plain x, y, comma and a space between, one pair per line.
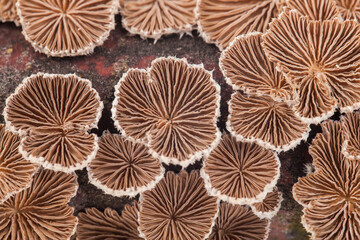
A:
40, 211
122, 167
270, 206
220, 21
54, 113
177, 208
154, 18
324, 70
66, 28
318, 10
8, 11
95, 225
15, 172
349, 9
239, 172
237, 222
350, 126
330, 195
173, 108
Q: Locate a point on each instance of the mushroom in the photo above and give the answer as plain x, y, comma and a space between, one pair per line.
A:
66, 28
237, 222
41, 211
350, 126
349, 9
317, 10
177, 208
95, 225
15, 172
330, 196
154, 18
8, 11
54, 113
172, 107
220, 21
270, 206
122, 167
240, 172
323, 70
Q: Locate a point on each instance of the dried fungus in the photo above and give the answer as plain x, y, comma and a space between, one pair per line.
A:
270, 206
8, 12
317, 10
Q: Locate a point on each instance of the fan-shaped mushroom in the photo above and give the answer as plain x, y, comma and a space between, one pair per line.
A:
8, 11
122, 167
173, 107
53, 113
317, 10
270, 206
350, 126
177, 208
66, 28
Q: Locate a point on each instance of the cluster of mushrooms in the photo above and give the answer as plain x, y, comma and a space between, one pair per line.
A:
290, 63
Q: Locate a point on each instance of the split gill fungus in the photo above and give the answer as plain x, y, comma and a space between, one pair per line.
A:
350, 124
8, 12
270, 206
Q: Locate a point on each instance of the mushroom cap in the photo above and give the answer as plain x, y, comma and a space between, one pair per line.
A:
317, 10
15, 172
66, 28
349, 9
350, 124
237, 222
154, 18
95, 225
172, 107
54, 113
325, 71
270, 206
269, 123
180, 205
330, 195
8, 12
246, 67
221, 21
122, 167
240, 172
41, 211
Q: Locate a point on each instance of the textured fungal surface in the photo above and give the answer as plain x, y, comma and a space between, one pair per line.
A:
318, 10
269, 123
220, 21
40, 211
330, 195
15, 172
122, 167
96, 225
173, 107
177, 208
240, 172
8, 12
351, 126
237, 222
66, 28
349, 9
270, 206
153, 18
54, 113
324, 70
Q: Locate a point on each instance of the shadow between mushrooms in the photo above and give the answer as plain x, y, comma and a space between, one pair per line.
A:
240, 172
317, 10
177, 208
350, 125
95, 225
66, 28
54, 113
122, 167
15, 172
270, 206
40, 211
172, 107
8, 12
330, 196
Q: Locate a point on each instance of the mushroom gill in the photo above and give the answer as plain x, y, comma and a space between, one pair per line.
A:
350, 124
349, 9
270, 206
8, 11
317, 10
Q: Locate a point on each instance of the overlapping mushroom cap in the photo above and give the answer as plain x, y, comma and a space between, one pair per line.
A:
15, 172
240, 172
177, 208
330, 195
237, 222
173, 107
95, 225
349, 9
350, 126
154, 18
317, 10
40, 211
220, 21
53, 113
122, 167
325, 71
8, 11
270, 206
64, 27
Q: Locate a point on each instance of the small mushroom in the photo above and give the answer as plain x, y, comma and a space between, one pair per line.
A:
66, 28
270, 206
8, 12
240, 172
349, 9
95, 225
177, 208
41, 211
15, 172
54, 113
172, 107
317, 10
122, 167
350, 124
